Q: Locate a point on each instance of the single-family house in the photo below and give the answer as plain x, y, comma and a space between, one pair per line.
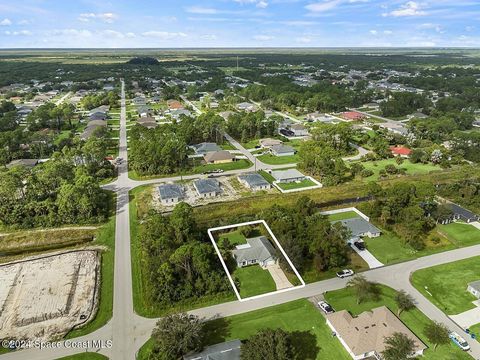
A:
288, 176
298, 130
460, 213
102, 109
269, 142
91, 128
97, 123
258, 250
170, 193
147, 121
474, 288
139, 100
229, 350
254, 181
207, 187
177, 113
205, 147
364, 336
246, 106
218, 157
352, 116
226, 114
99, 115
320, 117
359, 227
174, 104
401, 151
419, 115
282, 150
144, 110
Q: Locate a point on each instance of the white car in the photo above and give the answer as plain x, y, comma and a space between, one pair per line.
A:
345, 273
326, 307
459, 341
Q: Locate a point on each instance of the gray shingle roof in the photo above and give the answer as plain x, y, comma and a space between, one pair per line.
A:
287, 174
462, 212
359, 226
205, 186
205, 147
260, 249
170, 191
282, 149
229, 350
253, 179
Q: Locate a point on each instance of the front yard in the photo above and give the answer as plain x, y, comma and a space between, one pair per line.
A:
415, 320
253, 281
446, 285
296, 185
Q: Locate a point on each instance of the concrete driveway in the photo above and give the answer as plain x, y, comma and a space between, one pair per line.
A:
469, 317
368, 257
279, 277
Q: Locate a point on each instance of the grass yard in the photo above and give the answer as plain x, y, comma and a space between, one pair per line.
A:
411, 169
312, 337
296, 185
461, 234
250, 144
415, 320
278, 160
254, 281
475, 329
234, 237
342, 216
267, 176
448, 283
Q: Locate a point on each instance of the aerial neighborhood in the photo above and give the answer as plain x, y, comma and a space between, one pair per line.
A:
240, 205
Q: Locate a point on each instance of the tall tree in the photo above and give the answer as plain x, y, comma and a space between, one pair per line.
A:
398, 347
268, 344
437, 334
404, 302
176, 335
364, 289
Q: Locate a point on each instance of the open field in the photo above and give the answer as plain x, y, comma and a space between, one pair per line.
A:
461, 234
447, 284
411, 169
44, 297
254, 281
414, 319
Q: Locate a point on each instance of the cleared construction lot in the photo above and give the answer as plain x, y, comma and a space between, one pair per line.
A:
44, 297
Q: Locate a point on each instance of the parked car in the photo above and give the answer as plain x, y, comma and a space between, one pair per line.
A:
345, 273
286, 132
459, 341
326, 307
360, 245
217, 171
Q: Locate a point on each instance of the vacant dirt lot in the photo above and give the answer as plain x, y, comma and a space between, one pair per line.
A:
44, 297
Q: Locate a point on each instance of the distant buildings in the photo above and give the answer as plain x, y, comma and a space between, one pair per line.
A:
353, 116
401, 151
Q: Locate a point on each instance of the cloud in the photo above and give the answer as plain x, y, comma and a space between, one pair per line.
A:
105, 17
323, 6
410, 8
262, 4
388, 32
430, 26
23, 22
18, 33
263, 37
298, 23
71, 32
303, 40
373, 32
201, 10
164, 35
6, 22
209, 37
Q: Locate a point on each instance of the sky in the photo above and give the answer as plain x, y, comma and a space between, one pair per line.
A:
238, 23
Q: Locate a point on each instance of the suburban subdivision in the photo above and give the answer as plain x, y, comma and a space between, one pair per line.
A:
240, 204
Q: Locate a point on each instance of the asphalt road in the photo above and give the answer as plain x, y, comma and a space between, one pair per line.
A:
129, 331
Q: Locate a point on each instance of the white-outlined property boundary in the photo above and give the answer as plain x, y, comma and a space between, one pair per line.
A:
211, 230
317, 186
348, 209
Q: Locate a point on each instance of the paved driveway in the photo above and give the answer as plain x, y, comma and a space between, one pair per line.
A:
279, 277
469, 317
368, 257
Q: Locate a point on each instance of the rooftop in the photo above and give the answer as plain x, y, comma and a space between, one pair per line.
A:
170, 191
258, 248
253, 179
205, 147
367, 331
359, 226
205, 186
287, 174
218, 156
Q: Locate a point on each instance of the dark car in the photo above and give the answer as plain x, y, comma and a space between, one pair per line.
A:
286, 132
360, 245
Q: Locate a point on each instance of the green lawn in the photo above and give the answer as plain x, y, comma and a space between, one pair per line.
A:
234, 237
447, 284
342, 216
389, 248
85, 356
476, 330
415, 320
250, 144
412, 169
312, 337
267, 176
296, 185
278, 160
254, 281
461, 234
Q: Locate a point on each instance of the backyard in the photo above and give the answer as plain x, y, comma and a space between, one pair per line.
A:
411, 168
296, 185
415, 320
446, 285
342, 216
